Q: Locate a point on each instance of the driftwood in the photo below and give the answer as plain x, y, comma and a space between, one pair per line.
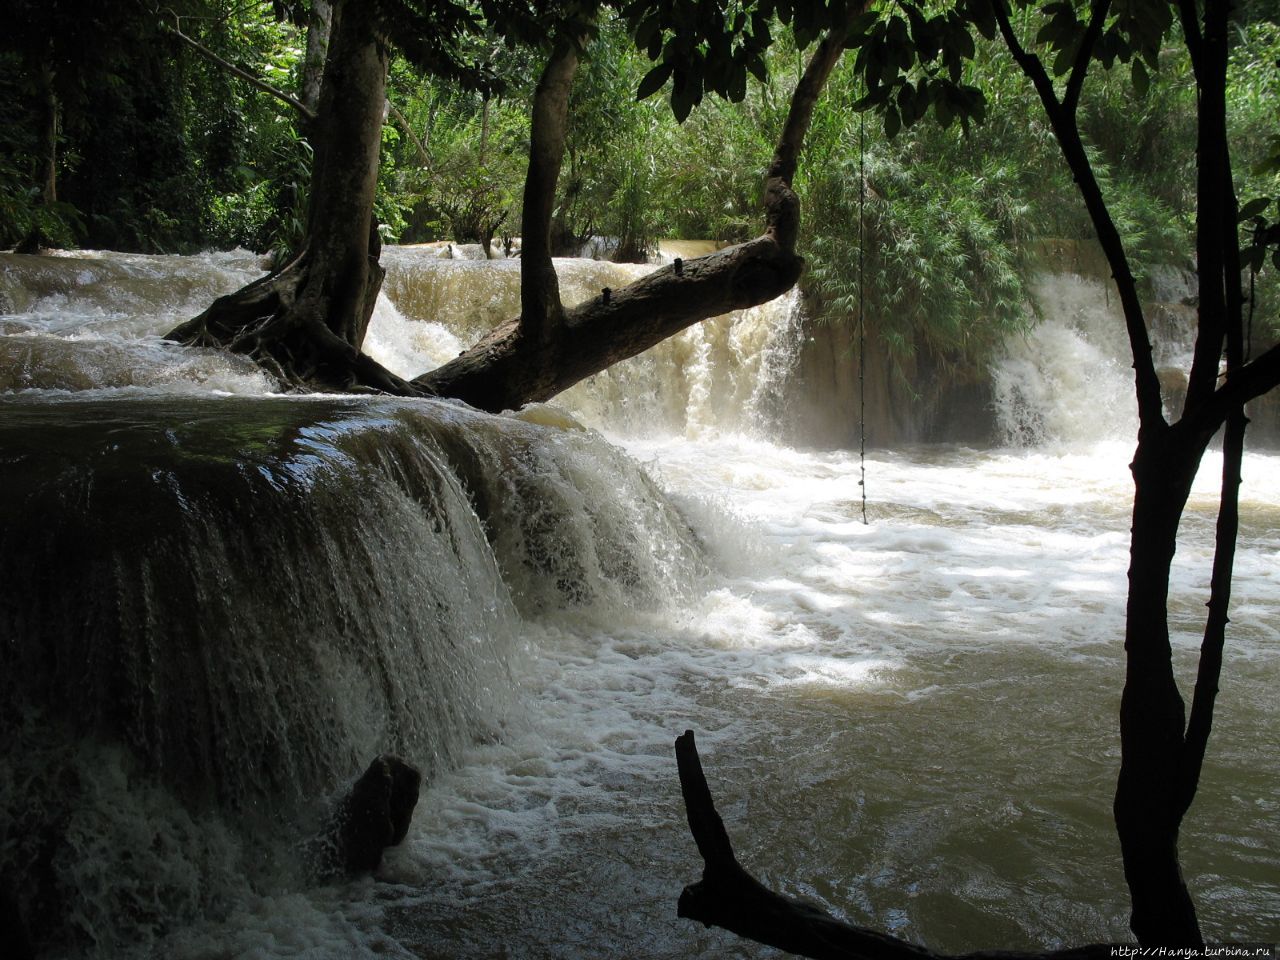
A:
728, 897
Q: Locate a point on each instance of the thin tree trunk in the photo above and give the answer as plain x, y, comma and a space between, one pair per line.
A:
48, 160
319, 30
341, 236
541, 313
49, 156
1148, 805
548, 349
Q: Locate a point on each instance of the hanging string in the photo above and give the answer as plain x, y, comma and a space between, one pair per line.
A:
862, 331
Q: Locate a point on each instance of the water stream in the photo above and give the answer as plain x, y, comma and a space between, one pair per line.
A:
221, 603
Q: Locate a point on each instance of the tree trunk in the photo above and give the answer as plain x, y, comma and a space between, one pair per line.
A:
541, 313
1149, 803
319, 30
305, 323
548, 349
49, 156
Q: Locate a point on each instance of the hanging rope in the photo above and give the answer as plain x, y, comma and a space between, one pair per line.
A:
862, 332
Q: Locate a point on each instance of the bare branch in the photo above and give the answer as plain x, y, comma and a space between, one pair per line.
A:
1215, 629
1075, 83
730, 898
1215, 225
509, 367
403, 123
303, 110
1258, 376
1191, 33
783, 208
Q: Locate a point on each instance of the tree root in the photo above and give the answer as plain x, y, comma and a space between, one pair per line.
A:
274, 323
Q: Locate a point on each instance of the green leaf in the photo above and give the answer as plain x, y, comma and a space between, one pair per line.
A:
892, 122
1141, 79
737, 86
680, 107
1253, 208
653, 81
983, 16
942, 107
1065, 58
646, 30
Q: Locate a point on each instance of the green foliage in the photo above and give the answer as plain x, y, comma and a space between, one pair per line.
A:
715, 48
467, 186
161, 150
1251, 105
943, 221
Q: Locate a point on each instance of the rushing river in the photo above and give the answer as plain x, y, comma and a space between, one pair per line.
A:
911, 721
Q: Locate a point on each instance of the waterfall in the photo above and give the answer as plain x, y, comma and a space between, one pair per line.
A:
1069, 380
725, 374
220, 604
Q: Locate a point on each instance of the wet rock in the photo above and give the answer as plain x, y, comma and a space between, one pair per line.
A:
375, 814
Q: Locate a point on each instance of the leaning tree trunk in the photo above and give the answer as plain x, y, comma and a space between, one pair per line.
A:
305, 322
549, 348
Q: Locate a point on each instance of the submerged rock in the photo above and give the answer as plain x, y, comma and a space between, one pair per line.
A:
375, 814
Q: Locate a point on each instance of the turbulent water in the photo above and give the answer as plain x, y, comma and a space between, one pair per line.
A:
220, 604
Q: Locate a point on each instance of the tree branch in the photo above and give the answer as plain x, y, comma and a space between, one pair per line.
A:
403, 123
1075, 83
781, 204
1191, 33
1212, 195
307, 114
1067, 133
730, 898
509, 367
1210, 668
319, 29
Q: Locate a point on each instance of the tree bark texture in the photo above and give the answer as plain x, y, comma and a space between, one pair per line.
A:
305, 323
1148, 805
319, 29
506, 369
541, 313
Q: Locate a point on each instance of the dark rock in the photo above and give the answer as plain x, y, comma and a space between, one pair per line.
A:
375, 814
15, 939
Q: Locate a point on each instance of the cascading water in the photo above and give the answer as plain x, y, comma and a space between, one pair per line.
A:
220, 604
